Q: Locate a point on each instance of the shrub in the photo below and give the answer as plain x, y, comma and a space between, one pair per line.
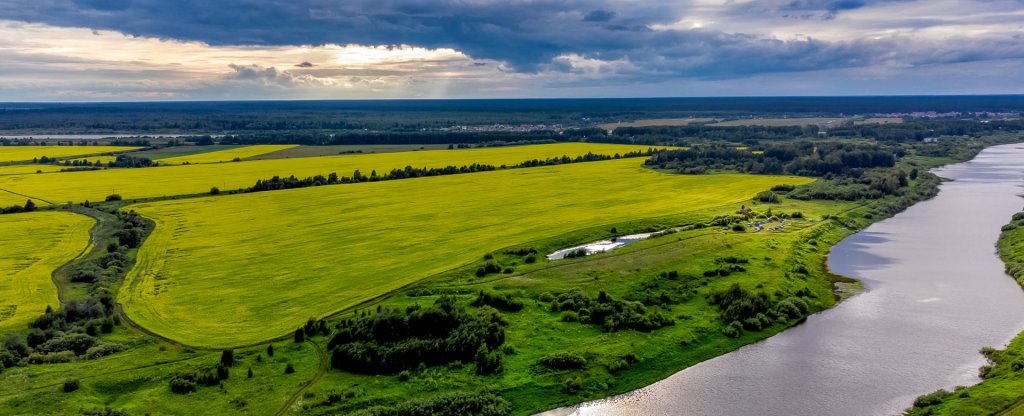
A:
505, 302
107, 411
71, 385
113, 197
563, 361
446, 404
270, 350
767, 197
104, 349
214, 191
931, 399
570, 316
572, 385
289, 369
227, 358
733, 330
180, 385
530, 259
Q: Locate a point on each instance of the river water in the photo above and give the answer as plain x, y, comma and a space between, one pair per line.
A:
936, 295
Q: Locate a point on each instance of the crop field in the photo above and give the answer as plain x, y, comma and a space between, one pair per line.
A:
227, 155
332, 150
35, 244
263, 263
25, 153
199, 178
28, 169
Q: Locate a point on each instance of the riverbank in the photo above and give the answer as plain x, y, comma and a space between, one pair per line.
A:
1001, 390
865, 356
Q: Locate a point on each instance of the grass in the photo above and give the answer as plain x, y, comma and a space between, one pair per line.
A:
137, 381
1002, 388
27, 153
194, 179
319, 250
332, 150
36, 244
226, 155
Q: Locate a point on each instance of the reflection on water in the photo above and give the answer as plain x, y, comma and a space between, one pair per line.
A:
936, 295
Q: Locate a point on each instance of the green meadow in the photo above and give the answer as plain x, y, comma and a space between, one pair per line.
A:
265, 262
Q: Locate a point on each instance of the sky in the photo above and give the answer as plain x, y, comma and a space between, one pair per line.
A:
124, 50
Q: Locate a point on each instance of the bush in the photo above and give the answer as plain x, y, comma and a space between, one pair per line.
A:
931, 399
71, 385
563, 361
733, 330
227, 358
180, 385
289, 369
105, 412
505, 302
113, 197
570, 316
104, 349
530, 259
448, 404
572, 385
214, 191
767, 197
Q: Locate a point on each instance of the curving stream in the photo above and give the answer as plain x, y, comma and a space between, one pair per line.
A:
936, 295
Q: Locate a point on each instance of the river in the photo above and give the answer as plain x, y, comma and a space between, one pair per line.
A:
936, 293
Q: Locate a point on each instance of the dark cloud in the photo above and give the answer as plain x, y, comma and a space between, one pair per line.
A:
527, 37
599, 16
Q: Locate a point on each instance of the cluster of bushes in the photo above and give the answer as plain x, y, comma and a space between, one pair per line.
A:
767, 197
611, 314
529, 254
392, 340
727, 266
447, 404
501, 301
563, 361
126, 161
858, 184
667, 288
14, 209
189, 381
745, 310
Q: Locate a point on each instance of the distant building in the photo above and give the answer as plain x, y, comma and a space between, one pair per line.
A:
931, 140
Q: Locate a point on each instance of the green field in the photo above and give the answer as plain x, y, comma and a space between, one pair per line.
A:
35, 244
27, 153
226, 155
199, 178
265, 262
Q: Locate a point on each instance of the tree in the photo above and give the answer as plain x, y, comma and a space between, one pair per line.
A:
289, 369
250, 373
300, 335
227, 358
270, 350
30, 206
214, 190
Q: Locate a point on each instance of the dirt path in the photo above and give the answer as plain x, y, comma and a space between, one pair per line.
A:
325, 365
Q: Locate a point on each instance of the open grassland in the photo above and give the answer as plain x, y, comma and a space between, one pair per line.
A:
332, 150
227, 155
199, 178
262, 263
35, 244
24, 153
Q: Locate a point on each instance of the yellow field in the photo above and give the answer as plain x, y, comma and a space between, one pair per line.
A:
28, 169
23, 153
227, 155
236, 269
199, 178
35, 244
